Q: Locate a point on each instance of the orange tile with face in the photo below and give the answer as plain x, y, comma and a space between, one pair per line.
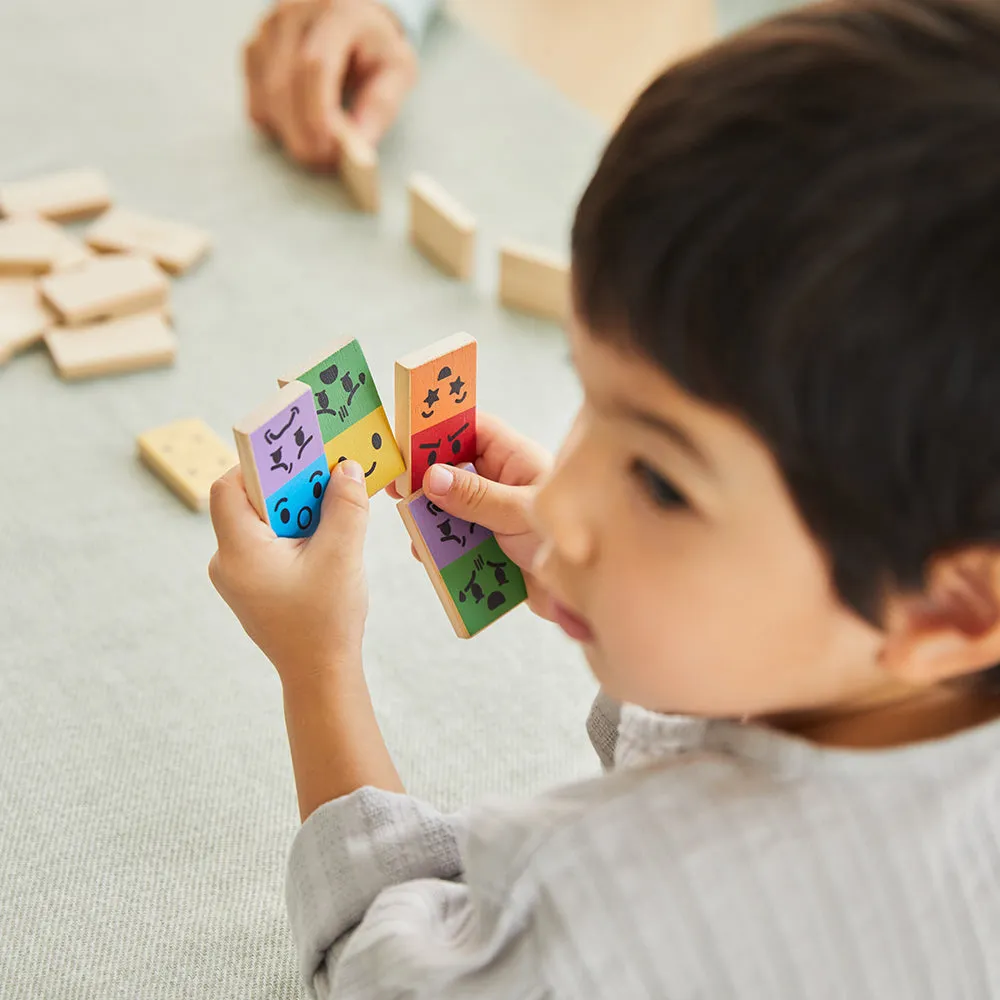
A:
370, 442
442, 387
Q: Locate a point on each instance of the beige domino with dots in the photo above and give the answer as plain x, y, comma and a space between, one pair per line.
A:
188, 456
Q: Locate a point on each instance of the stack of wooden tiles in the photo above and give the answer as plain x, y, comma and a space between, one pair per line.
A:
97, 314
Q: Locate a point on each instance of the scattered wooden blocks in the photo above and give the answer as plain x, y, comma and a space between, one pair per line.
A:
188, 456
23, 316
71, 194
104, 288
436, 407
472, 576
441, 228
285, 470
352, 420
176, 247
359, 170
121, 345
534, 281
34, 246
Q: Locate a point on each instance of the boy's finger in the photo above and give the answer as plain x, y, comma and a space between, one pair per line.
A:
233, 517
324, 61
462, 493
344, 515
379, 99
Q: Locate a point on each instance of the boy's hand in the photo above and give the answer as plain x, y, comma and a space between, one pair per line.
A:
510, 467
309, 58
302, 600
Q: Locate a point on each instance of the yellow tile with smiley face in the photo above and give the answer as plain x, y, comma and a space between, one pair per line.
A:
371, 444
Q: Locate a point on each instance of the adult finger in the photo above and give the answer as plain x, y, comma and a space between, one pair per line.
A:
462, 493
379, 97
324, 59
253, 69
283, 38
343, 519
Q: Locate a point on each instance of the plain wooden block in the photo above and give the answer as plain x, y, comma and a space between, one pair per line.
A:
188, 456
359, 170
441, 228
24, 318
535, 281
119, 345
69, 194
435, 395
106, 287
175, 246
32, 245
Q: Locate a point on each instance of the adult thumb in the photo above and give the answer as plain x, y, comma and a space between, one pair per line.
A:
465, 494
340, 535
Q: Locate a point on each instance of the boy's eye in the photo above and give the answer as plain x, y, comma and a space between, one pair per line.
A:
659, 490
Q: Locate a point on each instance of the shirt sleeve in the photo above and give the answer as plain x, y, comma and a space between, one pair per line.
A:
413, 15
379, 908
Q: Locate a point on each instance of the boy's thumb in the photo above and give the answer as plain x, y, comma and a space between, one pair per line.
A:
465, 494
343, 519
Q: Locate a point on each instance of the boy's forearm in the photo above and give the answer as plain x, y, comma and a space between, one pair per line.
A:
334, 738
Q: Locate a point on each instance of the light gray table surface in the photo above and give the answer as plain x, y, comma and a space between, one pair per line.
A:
146, 796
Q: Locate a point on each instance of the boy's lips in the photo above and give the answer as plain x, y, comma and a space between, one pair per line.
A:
572, 624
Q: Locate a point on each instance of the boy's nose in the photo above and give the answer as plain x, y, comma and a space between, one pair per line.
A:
560, 511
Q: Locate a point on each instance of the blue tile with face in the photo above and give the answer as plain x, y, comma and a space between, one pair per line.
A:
293, 510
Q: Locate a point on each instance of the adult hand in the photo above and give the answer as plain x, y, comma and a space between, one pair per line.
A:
499, 495
310, 58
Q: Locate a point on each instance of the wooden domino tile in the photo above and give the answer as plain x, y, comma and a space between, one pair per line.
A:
175, 246
35, 246
188, 456
106, 287
70, 194
534, 281
352, 419
24, 318
436, 407
475, 581
284, 465
109, 348
359, 170
441, 228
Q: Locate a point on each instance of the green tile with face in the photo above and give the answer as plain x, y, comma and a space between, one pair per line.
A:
484, 584
343, 389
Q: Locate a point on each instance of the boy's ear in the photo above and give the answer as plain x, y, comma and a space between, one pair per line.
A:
950, 629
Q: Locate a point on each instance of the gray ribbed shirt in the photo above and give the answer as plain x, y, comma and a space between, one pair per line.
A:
715, 860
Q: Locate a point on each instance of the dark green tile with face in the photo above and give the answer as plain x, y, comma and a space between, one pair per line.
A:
484, 584
343, 390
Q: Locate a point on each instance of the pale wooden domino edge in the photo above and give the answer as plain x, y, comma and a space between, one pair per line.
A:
427, 560
63, 196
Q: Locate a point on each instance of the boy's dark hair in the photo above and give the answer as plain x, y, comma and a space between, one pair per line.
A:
802, 225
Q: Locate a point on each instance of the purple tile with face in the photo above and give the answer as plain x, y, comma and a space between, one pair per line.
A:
447, 537
287, 443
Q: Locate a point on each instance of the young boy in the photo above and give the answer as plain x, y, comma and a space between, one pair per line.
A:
775, 531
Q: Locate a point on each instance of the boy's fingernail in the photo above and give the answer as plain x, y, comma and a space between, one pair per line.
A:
353, 471
439, 479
